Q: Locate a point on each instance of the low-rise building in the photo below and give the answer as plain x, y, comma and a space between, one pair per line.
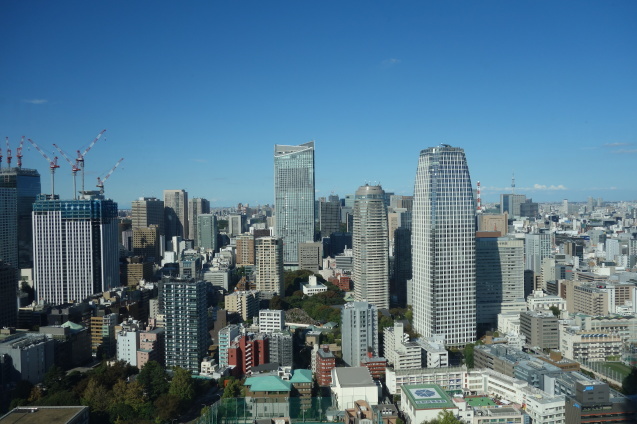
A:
350, 384
313, 287
589, 345
399, 351
245, 303
540, 329
423, 402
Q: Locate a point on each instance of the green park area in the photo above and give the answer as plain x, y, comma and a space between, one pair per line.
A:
615, 367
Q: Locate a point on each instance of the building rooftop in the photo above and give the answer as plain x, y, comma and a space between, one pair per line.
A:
479, 401
42, 414
354, 376
301, 376
428, 396
268, 383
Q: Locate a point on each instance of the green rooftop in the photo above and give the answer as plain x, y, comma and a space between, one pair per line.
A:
268, 383
301, 376
428, 396
479, 401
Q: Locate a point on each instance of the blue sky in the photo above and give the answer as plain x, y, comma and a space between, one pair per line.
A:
194, 94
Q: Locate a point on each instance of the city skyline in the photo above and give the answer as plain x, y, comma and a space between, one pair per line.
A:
522, 87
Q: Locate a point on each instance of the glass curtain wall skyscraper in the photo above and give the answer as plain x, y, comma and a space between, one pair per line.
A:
294, 197
371, 247
443, 240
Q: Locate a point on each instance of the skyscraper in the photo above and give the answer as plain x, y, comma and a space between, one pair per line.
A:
269, 265
329, 217
359, 331
76, 247
207, 231
148, 211
196, 206
499, 278
176, 213
443, 240
371, 247
294, 197
26, 184
187, 338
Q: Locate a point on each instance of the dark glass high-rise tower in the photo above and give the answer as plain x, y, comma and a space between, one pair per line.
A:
26, 183
443, 240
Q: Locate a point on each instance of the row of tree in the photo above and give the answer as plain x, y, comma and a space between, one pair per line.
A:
116, 393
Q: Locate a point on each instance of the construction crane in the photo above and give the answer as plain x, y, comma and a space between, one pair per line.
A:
100, 183
74, 169
19, 153
9, 157
80, 156
53, 164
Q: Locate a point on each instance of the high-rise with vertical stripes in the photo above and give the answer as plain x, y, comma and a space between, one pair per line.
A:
75, 248
294, 197
443, 240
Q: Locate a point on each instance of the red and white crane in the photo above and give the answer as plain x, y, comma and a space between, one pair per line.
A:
80, 156
100, 182
74, 169
19, 153
9, 157
53, 164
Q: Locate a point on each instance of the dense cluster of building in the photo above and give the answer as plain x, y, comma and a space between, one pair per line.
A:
550, 288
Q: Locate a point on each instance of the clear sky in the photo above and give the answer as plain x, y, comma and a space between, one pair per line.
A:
194, 95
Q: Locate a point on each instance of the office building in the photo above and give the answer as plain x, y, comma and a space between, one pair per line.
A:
592, 403
186, 326
537, 247
371, 247
402, 267
207, 231
196, 206
8, 296
271, 320
25, 184
443, 240
310, 256
76, 248
401, 353
494, 222
499, 278
329, 218
226, 336
359, 332
236, 225
176, 214
26, 356
269, 265
243, 302
540, 329
103, 344
281, 348
147, 211
510, 203
294, 197
9, 228
146, 243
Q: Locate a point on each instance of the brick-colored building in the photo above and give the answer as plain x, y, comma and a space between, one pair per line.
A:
325, 362
343, 282
248, 351
376, 366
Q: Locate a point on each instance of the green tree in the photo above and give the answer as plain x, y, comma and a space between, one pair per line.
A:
182, 385
629, 384
234, 389
153, 379
468, 355
167, 407
54, 378
444, 417
276, 303
555, 310
96, 396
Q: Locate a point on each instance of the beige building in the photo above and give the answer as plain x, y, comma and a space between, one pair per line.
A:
494, 222
310, 256
147, 211
269, 265
138, 269
589, 345
245, 303
245, 250
146, 242
540, 329
176, 213
590, 300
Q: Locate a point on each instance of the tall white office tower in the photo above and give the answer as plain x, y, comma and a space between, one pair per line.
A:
75, 248
294, 197
371, 247
443, 240
360, 331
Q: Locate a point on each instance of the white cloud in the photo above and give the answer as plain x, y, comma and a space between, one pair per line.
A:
625, 151
35, 101
616, 144
551, 187
390, 62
